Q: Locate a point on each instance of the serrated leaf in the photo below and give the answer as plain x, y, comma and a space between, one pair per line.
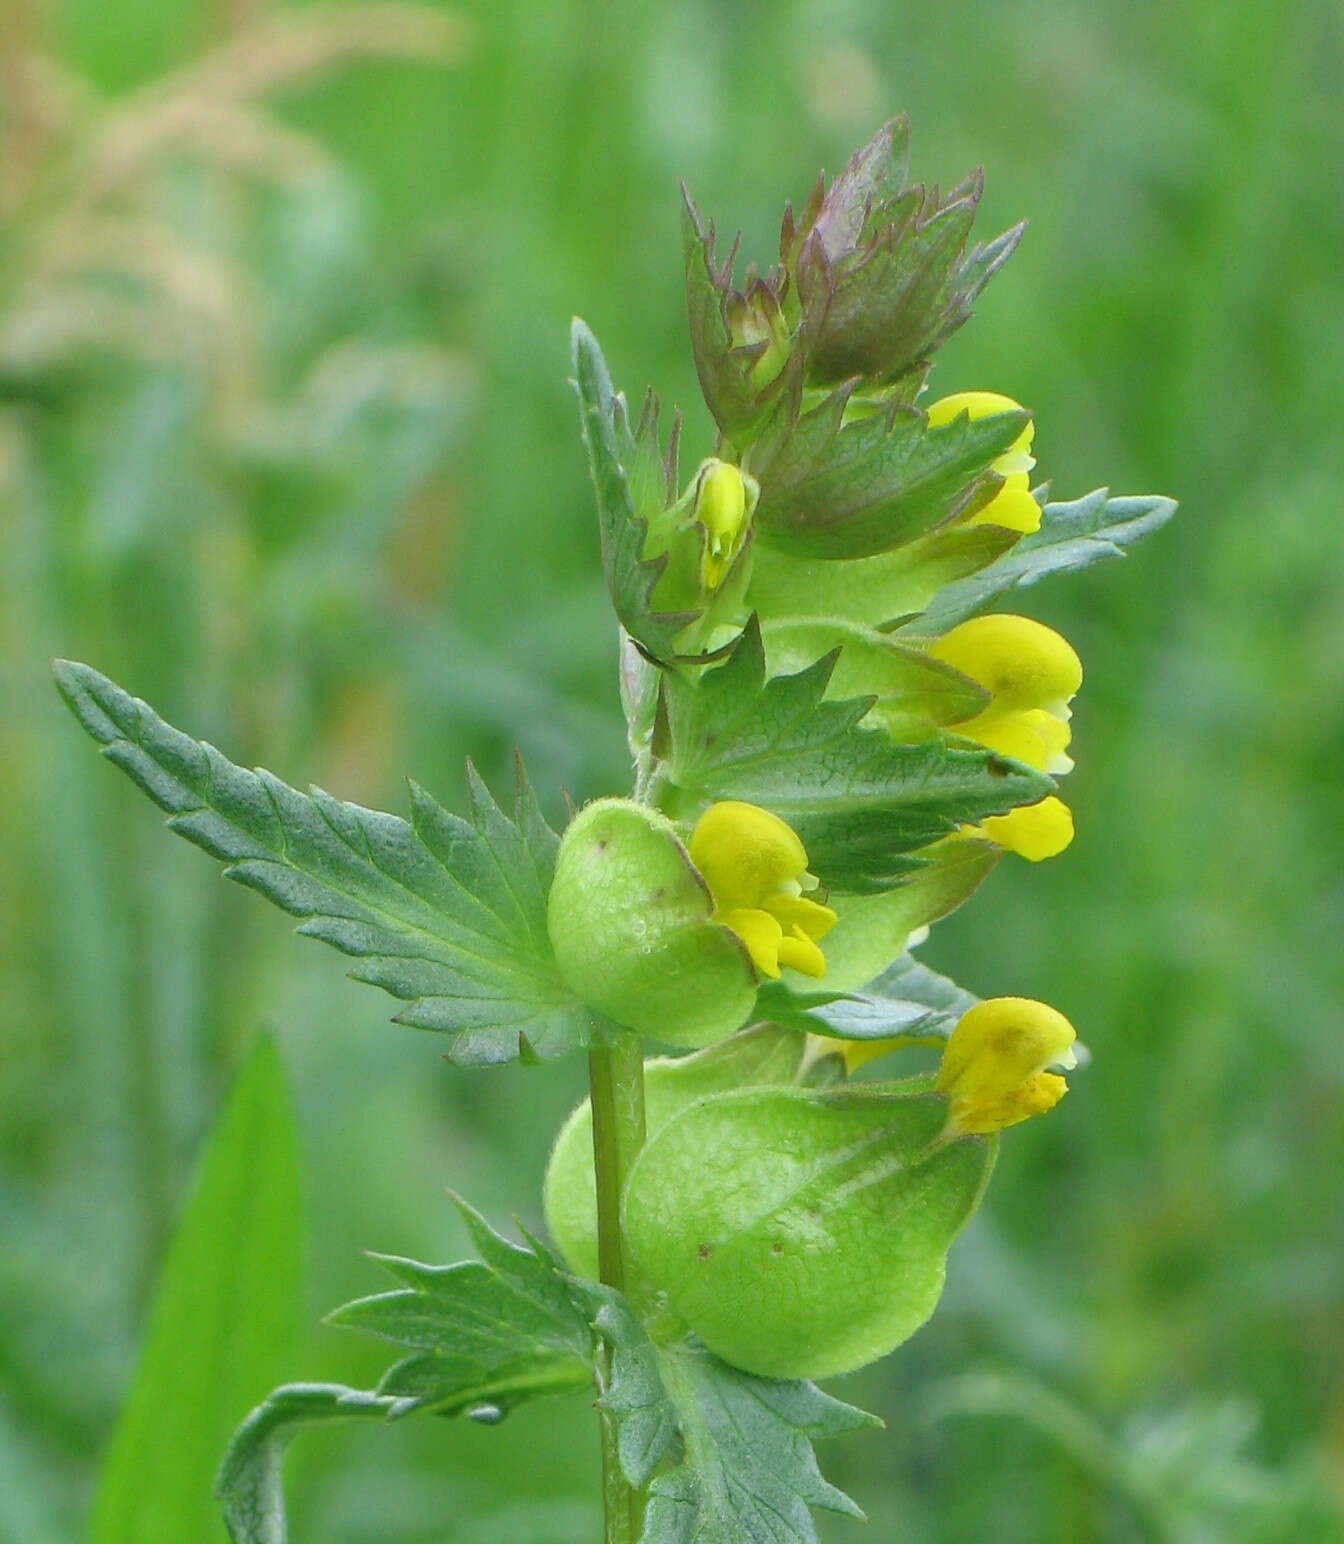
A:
633, 1395
630, 579
749, 1471
1071, 536
744, 1468
907, 1002
248, 1485
496, 1331
804, 1233
446, 913
844, 490
226, 1315
871, 180
861, 804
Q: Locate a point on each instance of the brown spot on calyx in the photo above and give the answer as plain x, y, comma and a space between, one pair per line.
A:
704, 1251
776, 1248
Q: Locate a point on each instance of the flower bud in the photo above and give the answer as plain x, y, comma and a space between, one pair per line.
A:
993, 1069
704, 538
1012, 506
723, 506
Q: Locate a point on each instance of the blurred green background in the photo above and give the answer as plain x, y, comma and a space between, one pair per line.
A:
286, 446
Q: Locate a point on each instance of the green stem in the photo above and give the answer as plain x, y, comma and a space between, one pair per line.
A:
616, 1085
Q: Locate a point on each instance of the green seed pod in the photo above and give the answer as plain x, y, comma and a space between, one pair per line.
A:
801, 1233
629, 920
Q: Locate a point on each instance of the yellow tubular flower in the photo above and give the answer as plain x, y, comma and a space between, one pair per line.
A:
1033, 831
756, 870
1012, 506
1031, 673
993, 1069
723, 504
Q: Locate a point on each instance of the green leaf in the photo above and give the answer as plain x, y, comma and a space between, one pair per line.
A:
226, 1316
908, 1001
860, 803
495, 1331
487, 1334
749, 1471
851, 488
1071, 536
804, 1233
744, 1468
634, 1396
248, 1485
449, 914
606, 432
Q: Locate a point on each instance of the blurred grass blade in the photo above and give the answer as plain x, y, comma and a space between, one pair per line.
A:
226, 1315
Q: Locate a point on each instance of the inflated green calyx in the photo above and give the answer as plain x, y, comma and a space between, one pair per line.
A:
629, 920
802, 1233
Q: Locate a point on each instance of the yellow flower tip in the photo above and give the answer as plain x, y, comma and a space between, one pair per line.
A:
802, 953
760, 932
1011, 507
1017, 459
755, 868
1032, 831
994, 1067
724, 502
1035, 736
1021, 662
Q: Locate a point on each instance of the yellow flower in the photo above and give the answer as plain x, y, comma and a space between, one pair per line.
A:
1033, 831
1032, 674
1012, 506
724, 503
993, 1069
756, 870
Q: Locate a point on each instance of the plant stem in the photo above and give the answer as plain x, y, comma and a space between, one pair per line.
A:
616, 1085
